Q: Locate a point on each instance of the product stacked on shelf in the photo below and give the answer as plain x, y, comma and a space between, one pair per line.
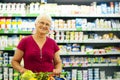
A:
9, 42
17, 25
90, 62
71, 49
88, 36
90, 74
84, 24
6, 71
66, 31
95, 8
85, 37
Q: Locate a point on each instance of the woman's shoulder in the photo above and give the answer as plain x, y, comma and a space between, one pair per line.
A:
26, 37
50, 39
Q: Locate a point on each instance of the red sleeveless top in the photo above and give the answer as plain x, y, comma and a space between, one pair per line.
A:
32, 54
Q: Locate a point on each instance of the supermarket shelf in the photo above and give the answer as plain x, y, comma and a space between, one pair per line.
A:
102, 65
58, 1
8, 49
15, 32
101, 41
65, 29
77, 1
110, 79
17, 15
90, 15
94, 65
89, 41
81, 53
6, 65
78, 15
93, 29
74, 29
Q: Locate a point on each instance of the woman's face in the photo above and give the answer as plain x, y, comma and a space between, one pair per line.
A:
43, 25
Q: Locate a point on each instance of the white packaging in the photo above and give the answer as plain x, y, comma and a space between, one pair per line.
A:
74, 74
18, 7
1, 76
4, 8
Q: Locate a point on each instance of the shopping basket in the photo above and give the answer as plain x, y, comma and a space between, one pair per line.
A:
29, 75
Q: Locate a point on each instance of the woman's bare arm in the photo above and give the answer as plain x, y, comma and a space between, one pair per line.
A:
57, 63
17, 60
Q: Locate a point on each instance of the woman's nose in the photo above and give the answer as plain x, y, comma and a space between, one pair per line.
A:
44, 25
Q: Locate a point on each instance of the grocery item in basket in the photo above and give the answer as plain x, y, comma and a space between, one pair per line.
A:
28, 75
32, 79
51, 78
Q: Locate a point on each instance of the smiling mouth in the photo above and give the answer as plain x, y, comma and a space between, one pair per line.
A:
43, 28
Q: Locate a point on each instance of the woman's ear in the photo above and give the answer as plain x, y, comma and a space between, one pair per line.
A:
35, 24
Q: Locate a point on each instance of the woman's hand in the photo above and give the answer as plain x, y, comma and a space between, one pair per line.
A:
22, 70
56, 72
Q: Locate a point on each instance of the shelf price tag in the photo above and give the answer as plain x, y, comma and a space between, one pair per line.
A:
8, 48
5, 31
10, 31
63, 65
0, 65
8, 65
1, 31
71, 64
79, 65
5, 14
16, 31
32, 15
79, 29
16, 14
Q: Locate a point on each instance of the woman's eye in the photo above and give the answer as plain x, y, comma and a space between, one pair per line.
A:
41, 22
47, 25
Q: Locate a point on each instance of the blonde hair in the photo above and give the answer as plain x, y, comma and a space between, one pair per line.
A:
44, 15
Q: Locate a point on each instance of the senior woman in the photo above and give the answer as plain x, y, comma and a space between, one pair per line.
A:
39, 52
